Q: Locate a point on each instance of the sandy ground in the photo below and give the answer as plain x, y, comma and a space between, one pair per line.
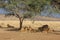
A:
17, 35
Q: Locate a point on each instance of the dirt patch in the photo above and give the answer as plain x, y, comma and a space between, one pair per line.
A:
17, 35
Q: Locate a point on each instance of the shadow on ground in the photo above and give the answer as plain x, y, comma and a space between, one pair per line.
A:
9, 29
56, 32
17, 29
13, 29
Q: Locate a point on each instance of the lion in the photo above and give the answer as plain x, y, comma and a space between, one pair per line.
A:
9, 26
24, 29
27, 29
45, 28
30, 29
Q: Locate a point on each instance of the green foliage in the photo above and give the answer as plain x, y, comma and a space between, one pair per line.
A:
36, 5
33, 5
27, 15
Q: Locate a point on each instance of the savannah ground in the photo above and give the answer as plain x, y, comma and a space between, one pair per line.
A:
17, 35
13, 35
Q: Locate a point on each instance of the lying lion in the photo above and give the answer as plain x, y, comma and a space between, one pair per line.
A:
45, 28
28, 29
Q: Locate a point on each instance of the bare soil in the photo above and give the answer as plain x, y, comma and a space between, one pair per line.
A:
17, 35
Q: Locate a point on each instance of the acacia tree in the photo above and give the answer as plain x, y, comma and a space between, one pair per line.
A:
30, 5
12, 6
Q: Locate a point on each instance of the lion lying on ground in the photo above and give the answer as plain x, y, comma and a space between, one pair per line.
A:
28, 29
45, 28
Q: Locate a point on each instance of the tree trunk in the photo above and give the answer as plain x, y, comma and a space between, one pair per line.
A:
21, 21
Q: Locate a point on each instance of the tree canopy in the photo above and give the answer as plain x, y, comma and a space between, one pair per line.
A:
30, 5
33, 5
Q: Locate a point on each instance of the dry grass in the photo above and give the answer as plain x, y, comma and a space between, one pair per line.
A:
52, 24
13, 35
18, 35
